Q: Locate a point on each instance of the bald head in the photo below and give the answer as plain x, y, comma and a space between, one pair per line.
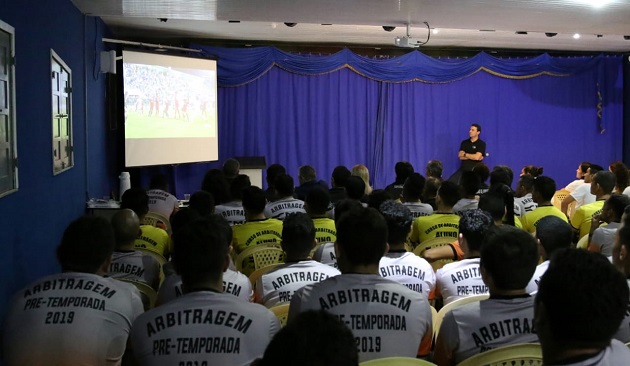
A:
126, 226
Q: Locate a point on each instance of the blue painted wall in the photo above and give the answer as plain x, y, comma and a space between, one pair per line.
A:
33, 218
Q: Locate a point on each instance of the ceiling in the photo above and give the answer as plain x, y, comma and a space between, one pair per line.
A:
467, 24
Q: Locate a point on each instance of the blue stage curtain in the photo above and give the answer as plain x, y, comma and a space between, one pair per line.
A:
346, 109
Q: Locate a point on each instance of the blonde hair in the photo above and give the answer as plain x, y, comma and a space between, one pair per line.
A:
362, 172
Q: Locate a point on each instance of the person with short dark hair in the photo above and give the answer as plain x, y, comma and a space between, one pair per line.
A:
316, 206
523, 195
377, 197
601, 187
361, 293
483, 172
298, 239
434, 169
580, 304
77, 317
232, 332
443, 222
582, 195
153, 239
471, 152
308, 180
403, 169
202, 202
160, 200
338, 181
285, 203
543, 191
355, 188
231, 169
553, 234
214, 182
469, 184
233, 211
325, 253
313, 338
273, 171
508, 260
412, 196
398, 264
602, 237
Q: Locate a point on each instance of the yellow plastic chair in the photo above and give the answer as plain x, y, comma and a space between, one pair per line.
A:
434, 243
260, 255
397, 361
558, 197
254, 276
155, 219
582, 243
149, 295
526, 354
434, 315
281, 312
448, 307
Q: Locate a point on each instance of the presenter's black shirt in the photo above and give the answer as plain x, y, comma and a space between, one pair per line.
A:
470, 147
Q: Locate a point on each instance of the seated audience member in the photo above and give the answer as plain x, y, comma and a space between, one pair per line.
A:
398, 264
501, 182
308, 180
232, 331
234, 282
403, 169
400, 318
273, 171
362, 172
316, 205
153, 239
128, 263
202, 202
313, 338
285, 203
621, 261
579, 175
412, 194
552, 234
460, 279
77, 317
233, 211
434, 169
508, 260
338, 181
469, 183
506, 174
443, 222
278, 285
231, 169
601, 187
499, 205
355, 189
160, 200
325, 253
602, 237
544, 188
580, 303
429, 192
214, 182
582, 194
532, 171
523, 193
483, 172
620, 170
377, 197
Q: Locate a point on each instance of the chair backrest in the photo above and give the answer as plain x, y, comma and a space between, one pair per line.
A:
450, 306
281, 312
254, 276
558, 197
525, 354
157, 220
582, 243
571, 209
434, 315
160, 258
149, 295
260, 255
397, 361
432, 243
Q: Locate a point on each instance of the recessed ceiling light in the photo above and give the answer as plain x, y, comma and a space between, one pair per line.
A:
576, 36
436, 31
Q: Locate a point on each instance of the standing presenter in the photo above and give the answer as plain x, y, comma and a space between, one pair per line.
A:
471, 152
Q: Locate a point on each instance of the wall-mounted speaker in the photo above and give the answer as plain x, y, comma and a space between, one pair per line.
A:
108, 62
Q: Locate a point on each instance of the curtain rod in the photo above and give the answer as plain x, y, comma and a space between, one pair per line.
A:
110, 40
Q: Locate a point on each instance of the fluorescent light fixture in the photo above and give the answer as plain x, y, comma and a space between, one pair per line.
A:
576, 36
595, 3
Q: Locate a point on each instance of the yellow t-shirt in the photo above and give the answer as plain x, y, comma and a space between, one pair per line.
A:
582, 217
530, 219
436, 225
155, 240
325, 230
251, 233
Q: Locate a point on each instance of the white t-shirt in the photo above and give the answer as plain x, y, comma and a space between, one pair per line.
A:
582, 195
615, 354
465, 204
231, 211
280, 208
234, 283
410, 270
70, 319
573, 185
278, 285
325, 253
623, 334
386, 318
532, 286
626, 191
484, 325
135, 266
203, 328
419, 209
162, 202
526, 204
605, 236
460, 279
